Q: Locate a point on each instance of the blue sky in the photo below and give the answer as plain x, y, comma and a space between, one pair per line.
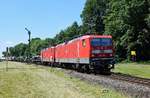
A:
45, 18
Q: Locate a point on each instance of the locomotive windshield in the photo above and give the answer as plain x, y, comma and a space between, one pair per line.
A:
101, 42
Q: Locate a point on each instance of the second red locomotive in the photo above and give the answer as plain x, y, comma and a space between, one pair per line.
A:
86, 53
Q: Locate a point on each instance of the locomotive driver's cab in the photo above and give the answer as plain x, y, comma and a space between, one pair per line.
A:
102, 52
102, 47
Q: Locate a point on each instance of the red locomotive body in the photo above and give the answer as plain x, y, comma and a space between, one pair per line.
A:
48, 55
88, 52
73, 51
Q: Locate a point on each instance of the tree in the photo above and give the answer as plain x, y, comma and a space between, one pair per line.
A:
128, 21
68, 33
18, 50
4, 53
92, 15
60, 37
125, 21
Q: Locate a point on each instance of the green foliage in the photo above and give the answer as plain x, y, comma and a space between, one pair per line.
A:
68, 33
18, 50
92, 15
4, 53
36, 46
134, 69
125, 21
128, 21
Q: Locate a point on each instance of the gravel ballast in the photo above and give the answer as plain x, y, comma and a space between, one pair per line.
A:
131, 89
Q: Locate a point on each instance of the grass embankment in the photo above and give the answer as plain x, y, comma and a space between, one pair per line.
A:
30, 81
135, 69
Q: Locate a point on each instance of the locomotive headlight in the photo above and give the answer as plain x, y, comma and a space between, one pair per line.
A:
108, 51
93, 55
96, 51
102, 51
110, 55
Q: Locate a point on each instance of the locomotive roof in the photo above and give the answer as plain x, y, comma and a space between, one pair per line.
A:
85, 37
96, 36
79, 38
47, 48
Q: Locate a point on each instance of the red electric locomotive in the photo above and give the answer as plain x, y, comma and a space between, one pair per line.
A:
86, 53
48, 55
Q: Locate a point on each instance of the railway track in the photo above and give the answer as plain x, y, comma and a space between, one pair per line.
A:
127, 78
126, 84
131, 79
124, 77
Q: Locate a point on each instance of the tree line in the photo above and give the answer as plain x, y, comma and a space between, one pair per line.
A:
128, 21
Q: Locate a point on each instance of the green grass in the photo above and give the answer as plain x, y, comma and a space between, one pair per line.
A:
44, 82
135, 69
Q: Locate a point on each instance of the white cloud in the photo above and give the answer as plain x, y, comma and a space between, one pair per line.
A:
9, 43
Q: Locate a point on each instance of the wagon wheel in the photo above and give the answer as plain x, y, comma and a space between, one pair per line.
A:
87, 68
80, 68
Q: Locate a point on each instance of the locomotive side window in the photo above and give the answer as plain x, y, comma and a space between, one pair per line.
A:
83, 43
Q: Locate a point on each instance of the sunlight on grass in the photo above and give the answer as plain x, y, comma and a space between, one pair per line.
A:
46, 82
140, 70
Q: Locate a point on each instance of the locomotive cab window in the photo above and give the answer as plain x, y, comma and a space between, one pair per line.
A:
83, 43
101, 42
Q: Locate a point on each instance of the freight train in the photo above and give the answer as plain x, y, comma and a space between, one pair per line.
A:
87, 53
